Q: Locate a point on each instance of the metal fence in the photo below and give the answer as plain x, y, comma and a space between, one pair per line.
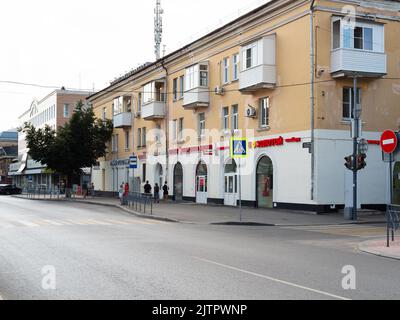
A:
393, 222
139, 202
54, 193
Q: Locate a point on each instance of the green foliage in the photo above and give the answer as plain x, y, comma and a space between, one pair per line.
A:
75, 146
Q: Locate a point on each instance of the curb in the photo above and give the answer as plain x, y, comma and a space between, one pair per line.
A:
135, 213
228, 223
363, 247
249, 224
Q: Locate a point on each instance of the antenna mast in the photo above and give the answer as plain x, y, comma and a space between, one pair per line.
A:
158, 29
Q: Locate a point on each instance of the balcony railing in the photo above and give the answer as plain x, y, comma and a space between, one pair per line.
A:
196, 98
123, 120
153, 110
346, 62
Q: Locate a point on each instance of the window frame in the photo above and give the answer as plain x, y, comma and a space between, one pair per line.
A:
236, 66
201, 124
264, 112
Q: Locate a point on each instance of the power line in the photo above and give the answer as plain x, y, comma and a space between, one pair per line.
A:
40, 85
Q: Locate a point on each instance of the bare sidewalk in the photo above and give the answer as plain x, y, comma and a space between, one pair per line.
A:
212, 214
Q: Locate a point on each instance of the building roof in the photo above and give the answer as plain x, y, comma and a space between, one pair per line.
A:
9, 136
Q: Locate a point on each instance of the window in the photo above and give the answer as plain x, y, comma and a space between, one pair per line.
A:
250, 56
126, 140
181, 85
225, 70
175, 89
174, 130
144, 171
66, 110
139, 105
235, 117
225, 119
202, 125
357, 38
139, 138
196, 76
264, 112
336, 34
104, 116
118, 105
348, 98
148, 92
144, 138
128, 104
203, 76
158, 133
114, 143
180, 129
235, 67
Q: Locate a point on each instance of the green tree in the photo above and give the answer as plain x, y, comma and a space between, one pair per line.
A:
76, 145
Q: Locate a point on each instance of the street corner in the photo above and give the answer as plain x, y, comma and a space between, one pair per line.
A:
379, 248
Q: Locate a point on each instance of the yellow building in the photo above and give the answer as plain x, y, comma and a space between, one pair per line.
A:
281, 76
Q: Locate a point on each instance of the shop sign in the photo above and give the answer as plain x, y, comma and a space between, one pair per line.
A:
120, 163
269, 143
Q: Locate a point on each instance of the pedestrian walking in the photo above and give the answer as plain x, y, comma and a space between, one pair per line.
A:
157, 193
92, 189
121, 193
85, 190
126, 193
147, 189
166, 191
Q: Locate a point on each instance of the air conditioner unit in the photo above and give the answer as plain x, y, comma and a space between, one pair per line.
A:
219, 90
251, 112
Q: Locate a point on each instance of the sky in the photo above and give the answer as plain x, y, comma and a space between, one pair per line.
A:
85, 44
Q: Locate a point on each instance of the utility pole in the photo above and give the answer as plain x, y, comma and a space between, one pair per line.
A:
158, 29
356, 125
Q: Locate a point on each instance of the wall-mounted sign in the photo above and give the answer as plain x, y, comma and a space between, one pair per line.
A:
269, 143
120, 163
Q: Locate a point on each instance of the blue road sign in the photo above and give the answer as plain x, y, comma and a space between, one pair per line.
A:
133, 162
239, 148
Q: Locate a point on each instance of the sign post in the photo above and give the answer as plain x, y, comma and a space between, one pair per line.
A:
239, 150
389, 143
133, 164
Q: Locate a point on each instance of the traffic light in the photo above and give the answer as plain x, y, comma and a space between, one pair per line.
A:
349, 162
361, 164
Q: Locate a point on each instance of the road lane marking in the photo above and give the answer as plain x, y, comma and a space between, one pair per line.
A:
99, 222
117, 222
28, 224
53, 222
272, 279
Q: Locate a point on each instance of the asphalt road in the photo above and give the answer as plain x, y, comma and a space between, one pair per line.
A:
95, 252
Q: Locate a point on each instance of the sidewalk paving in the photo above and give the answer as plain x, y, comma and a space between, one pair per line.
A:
213, 214
379, 248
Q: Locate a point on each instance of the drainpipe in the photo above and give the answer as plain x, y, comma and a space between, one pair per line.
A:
166, 121
312, 99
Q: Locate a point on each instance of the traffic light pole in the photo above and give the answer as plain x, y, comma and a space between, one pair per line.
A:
356, 130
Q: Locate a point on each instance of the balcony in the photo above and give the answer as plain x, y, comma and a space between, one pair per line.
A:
196, 98
259, 65
153, 110
346, 62
123, 120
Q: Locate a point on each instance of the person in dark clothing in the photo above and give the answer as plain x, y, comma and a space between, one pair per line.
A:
147, 188
166, 191
85, 190
156, 193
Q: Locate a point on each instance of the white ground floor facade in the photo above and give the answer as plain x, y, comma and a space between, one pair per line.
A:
277, 173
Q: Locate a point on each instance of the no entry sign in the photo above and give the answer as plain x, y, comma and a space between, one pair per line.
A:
389, 142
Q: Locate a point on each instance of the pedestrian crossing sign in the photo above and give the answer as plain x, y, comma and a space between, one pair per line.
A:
239, 148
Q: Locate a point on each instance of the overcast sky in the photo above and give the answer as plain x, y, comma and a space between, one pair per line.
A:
86, 43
